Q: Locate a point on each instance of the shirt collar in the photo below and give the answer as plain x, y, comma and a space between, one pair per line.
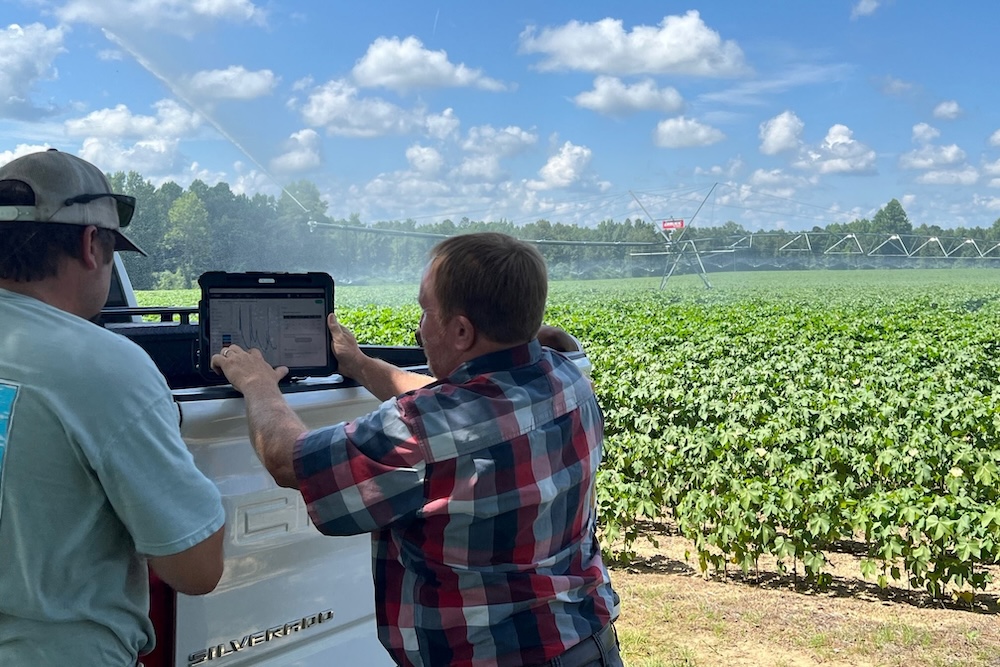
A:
501, 360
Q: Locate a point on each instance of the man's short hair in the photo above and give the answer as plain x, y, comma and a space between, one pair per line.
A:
32, 251
497, 281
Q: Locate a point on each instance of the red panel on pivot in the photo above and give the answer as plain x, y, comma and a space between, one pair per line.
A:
673, 223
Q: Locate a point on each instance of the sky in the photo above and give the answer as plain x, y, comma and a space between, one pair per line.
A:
778, 114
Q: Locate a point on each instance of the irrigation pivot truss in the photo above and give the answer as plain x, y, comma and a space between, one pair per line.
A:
822, 249
677, 251
891, 245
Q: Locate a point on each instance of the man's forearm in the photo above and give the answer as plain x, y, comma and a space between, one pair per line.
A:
385, 380
274, 429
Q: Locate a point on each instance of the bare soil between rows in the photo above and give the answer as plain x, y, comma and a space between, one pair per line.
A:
672, 615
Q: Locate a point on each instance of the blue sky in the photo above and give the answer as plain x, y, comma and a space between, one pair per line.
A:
799, 113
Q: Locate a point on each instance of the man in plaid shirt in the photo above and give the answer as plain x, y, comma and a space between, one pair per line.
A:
478, 487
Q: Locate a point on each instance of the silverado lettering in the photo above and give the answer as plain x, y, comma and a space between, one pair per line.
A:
256, 638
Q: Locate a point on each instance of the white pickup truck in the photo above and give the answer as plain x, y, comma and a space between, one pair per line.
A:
289, 595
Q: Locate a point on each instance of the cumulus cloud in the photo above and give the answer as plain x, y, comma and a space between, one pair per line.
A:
149, 157
684, 132
736, 196
181, 17
864, 8
424, 159
777, 182
503, 142
612, 97
966, 176
932, 157
305, 83
27, 55
171, 121
302, 153
196, 171
781, 133
409, 187
468, 188
443, 125
995, 138
678, 45
989, 203
20, 151
404, 65
948, 110
337, 107
839, 153
251, 181
992, 168
562, 169
232, 83
478, 168
769, 177
924, 133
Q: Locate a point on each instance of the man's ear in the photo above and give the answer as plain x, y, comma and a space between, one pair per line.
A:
463, 333
91, 252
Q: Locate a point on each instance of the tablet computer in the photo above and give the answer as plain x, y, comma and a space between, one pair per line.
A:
281, 314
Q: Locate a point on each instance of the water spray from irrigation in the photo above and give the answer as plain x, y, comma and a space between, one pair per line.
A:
179, 93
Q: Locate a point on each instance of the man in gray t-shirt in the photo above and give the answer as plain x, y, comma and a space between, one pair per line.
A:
95, 480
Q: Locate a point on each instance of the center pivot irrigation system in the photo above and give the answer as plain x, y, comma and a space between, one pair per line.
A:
677, 249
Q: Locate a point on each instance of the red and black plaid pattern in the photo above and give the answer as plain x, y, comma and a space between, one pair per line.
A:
478, 490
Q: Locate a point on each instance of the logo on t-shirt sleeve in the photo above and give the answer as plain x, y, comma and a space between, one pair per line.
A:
8, 394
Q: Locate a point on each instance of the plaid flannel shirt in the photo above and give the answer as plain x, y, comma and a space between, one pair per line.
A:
479, 492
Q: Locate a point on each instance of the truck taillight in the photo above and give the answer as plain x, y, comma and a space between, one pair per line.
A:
162, 604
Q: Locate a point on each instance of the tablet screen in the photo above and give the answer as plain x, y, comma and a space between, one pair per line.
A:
282, 315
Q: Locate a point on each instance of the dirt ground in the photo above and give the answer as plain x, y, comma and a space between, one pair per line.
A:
672, 616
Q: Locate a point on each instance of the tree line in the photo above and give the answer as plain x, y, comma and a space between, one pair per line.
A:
187, 231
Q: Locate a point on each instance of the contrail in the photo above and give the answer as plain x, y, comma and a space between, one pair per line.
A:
179, 93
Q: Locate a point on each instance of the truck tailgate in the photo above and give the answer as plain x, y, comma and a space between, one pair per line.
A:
289, 595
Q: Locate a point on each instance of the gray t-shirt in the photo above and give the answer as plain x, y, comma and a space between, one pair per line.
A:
93, 472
